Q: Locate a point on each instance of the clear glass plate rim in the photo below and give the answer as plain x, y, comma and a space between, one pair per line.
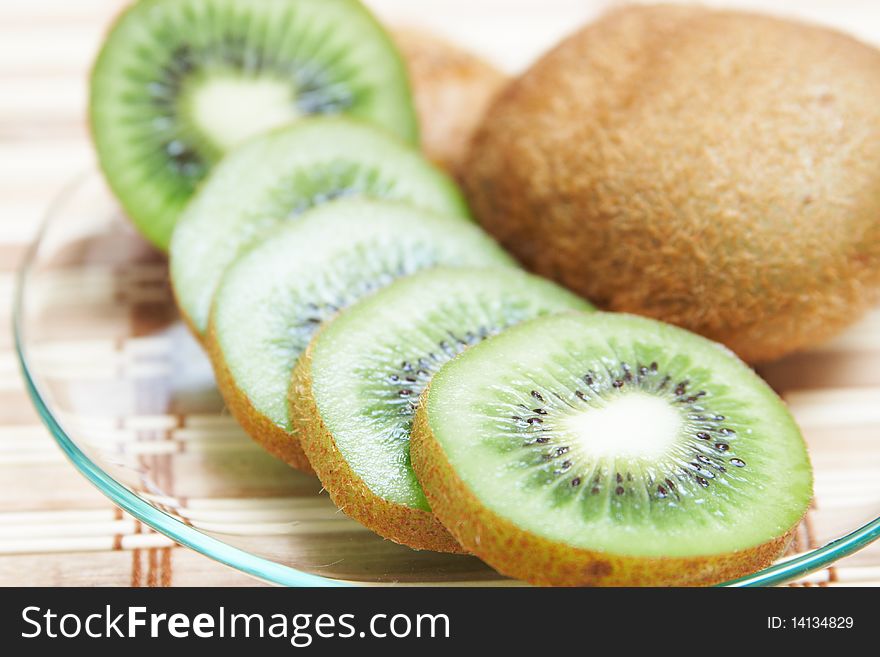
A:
266, 569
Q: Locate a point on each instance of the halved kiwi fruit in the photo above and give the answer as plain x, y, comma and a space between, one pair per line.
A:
180, 82
356, 388
278, 176
613, 450
271, 301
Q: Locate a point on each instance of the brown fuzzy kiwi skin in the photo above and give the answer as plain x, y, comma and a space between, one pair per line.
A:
452, 89
715, 170
518, 553
275, 440
415, 528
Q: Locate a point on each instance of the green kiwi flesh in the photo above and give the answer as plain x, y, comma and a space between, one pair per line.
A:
179, 83
274, 297
610, 449
354, 395
275, 178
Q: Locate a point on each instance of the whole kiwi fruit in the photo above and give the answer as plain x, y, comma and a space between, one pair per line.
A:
717, 170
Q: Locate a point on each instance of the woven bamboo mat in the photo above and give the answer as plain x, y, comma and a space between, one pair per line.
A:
56, 529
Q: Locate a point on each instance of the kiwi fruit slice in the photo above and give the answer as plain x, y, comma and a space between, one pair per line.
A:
275, 178
713, 169
452, 88
274, 297
355, 389
179, 83
602, 449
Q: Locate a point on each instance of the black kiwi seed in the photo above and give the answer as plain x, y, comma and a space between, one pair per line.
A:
416, 373
702, 467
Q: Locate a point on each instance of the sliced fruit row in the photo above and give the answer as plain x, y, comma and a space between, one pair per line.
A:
349, 305
257, 282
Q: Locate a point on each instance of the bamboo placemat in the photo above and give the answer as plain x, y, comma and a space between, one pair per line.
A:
56, 529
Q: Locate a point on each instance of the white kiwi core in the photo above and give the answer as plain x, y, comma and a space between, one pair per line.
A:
229, 110
633, 425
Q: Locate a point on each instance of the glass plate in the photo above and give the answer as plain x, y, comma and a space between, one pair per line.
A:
130, 398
